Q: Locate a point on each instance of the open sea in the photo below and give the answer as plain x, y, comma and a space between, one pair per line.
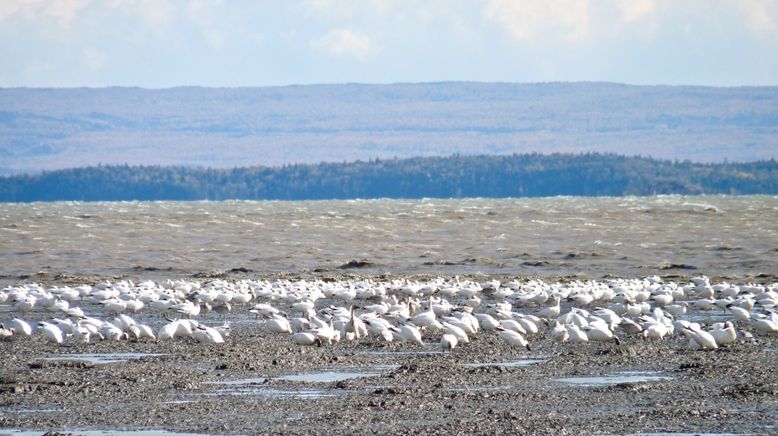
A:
593, 237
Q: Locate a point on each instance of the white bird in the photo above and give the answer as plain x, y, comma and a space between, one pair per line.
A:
376, 326
486, 321
426, 318
559, 333
448, 342
462, 324
114, 307
168, 331
600, 332
608, 315
187, 309
67, 326
110, 331
530, 326
511, 324
765, 325
456, 332
654, 330
513, 338
82, 334
704, 304
20, 326
662, 299
140, 331
278, 324
356, 326
5, 333
306, 338
629, 326
724, 333
327, 333
739, 313
264, 310
676, 310
409, 333
704, 340
576, 334
51, 332
75, 312
550, 311
224, 329
26, 305
207, 335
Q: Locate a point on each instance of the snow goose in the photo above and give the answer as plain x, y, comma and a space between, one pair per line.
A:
51, 332
20, 327
278, 324
306, 338
207, 335
724, 333
513, 338
703, 339
455, 331
599, 331
448, 342
409, 333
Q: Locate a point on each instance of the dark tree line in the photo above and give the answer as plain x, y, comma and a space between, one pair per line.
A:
527, 175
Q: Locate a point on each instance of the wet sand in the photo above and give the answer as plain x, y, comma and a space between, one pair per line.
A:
240, 387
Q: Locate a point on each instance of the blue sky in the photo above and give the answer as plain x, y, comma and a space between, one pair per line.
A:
162, 43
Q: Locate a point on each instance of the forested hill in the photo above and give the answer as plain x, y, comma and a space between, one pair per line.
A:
51, 129
529, 175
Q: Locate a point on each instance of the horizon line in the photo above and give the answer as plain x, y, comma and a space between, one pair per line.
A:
441, 82
391, 159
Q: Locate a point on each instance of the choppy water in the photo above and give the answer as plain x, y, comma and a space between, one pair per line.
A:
719, 235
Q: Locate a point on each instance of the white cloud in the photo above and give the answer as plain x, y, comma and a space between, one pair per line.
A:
65, 10
9, 8
345, 43
635, 10
314, 5
202, 13
155, 13
762, 16
526, 19
62, 10
94, 59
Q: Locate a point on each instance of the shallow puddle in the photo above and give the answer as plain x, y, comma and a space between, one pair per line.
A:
326, 376
614, 379
336, 376
257, 386
240, 382
510, 363
688, 434
483, 389
101, 358
707, 316
31, 411
18, 432
265, 391
304, 393
402, 353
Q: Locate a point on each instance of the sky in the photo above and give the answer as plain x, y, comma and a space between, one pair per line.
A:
228, 43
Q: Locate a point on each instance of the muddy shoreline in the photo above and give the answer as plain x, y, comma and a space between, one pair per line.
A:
397, 388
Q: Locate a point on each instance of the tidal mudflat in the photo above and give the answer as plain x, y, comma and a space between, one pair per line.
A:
260, 380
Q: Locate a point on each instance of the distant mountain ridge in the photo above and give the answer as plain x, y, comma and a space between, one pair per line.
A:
529, 175
46, 129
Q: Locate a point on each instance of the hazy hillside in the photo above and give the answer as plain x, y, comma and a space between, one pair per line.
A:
448, 177
63, 128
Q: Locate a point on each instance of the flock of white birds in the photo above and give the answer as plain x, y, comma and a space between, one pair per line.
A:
446, 312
